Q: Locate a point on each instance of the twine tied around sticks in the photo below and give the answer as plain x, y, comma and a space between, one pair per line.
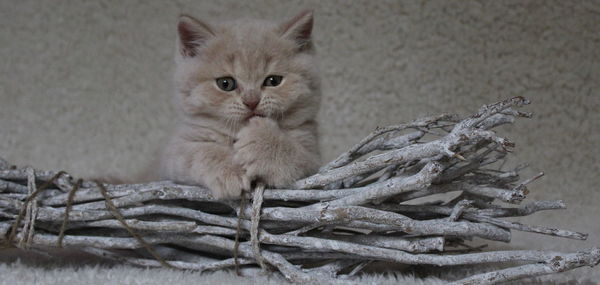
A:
238, 232
29, 225
28, 212
117, 214
257, 201
63, 227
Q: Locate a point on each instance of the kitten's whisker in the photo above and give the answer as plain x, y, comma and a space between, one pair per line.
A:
227, 123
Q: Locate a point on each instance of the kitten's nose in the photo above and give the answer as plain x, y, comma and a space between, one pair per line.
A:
251, 103
251, 98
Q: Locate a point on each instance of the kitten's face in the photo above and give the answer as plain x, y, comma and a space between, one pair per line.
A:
235, 71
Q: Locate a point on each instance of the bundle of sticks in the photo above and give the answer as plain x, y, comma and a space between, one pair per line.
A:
415, 193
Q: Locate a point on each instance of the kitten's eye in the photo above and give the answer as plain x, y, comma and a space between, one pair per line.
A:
226, 83
273, 80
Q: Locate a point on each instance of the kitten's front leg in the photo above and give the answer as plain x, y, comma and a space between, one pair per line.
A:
273, 155
225, 179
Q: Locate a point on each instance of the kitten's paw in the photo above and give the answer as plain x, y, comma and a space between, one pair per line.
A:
265, 152
250, 154
272, 174
229, 184
256, 143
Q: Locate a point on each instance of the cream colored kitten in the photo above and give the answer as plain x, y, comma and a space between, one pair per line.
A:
248, 93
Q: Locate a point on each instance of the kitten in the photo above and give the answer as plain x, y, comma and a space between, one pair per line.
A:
248, 93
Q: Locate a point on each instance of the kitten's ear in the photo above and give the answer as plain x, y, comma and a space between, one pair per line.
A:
299, 29
192, 34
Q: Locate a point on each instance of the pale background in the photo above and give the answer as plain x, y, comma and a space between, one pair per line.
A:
85, 86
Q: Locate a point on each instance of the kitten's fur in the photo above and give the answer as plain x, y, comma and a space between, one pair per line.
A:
215, 144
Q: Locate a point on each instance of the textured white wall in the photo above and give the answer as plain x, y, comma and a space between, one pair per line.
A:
85, 85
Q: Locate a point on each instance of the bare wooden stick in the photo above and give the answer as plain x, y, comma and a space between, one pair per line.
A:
311, 243
482, 216
370, 143
415, 245
552, 265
